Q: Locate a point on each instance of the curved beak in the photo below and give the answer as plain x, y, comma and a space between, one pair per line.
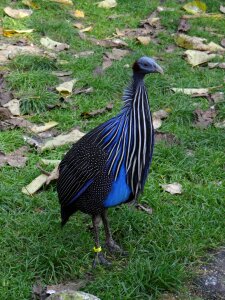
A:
159, 69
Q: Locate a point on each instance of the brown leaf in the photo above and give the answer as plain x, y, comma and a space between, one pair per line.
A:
107, 43
41, 128
14, 159
222, 42
34, 141
184, 26
8, 52
97, 112
168, 138
14, 123
204, 118
98, 71
106, 63
117, 54
4, 114
83, 90
171, 48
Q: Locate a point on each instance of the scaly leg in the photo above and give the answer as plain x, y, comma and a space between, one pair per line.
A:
99, 257
110, 243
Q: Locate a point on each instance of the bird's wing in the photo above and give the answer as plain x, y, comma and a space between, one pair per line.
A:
78, 170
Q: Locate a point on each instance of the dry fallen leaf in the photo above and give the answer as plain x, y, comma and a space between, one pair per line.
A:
53, 45
97, 112
83, 90
157, 117
222, 9
204, 118
196, 43
66, 2
5, 94
66, 88
14, 122
196, 58
45, 127
17, 13
168, 138
47, 162
4, 114
195, 7
144, 40
83, 54
220, 124
108, 43
217, 97
193, 91
87, 29
8, 52
54, 175
170, 48
216, 65
116, 54
13, 106
107, 4
35, 185
15, 158
30, 4
172, 188
62, 139
78, 13
205, 15
78, 25
13, 32
62, 73
184, 26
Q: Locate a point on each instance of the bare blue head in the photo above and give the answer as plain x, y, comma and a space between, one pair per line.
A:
146, 65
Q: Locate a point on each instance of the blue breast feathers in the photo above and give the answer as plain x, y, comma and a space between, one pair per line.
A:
120, 190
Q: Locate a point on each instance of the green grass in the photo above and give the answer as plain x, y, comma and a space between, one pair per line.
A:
165, 247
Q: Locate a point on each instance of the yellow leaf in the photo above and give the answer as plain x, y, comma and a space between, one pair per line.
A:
78, 13
107, 4
66, 2
144, 40
196, 43
12, 32
87, 29
35, 185
17, 13
196, 58
30, 4
195, 7
45, 127
214, 16
78, 25
65, 89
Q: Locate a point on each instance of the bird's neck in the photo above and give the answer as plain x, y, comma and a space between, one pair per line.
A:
138, 79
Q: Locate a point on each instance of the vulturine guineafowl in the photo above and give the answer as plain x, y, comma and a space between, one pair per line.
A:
110, 164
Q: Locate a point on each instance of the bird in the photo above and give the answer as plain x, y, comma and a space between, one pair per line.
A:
109, 165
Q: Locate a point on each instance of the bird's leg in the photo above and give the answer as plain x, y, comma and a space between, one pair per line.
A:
99, 257
110, 243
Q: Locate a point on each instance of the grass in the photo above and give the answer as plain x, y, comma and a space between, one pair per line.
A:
165, 247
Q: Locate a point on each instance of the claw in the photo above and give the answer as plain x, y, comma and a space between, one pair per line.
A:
114, 248
100, 260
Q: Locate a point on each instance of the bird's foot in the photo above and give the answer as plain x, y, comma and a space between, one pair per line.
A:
114, 248
145, 208
100, 260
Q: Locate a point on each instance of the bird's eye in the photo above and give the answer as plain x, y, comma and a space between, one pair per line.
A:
145, 64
